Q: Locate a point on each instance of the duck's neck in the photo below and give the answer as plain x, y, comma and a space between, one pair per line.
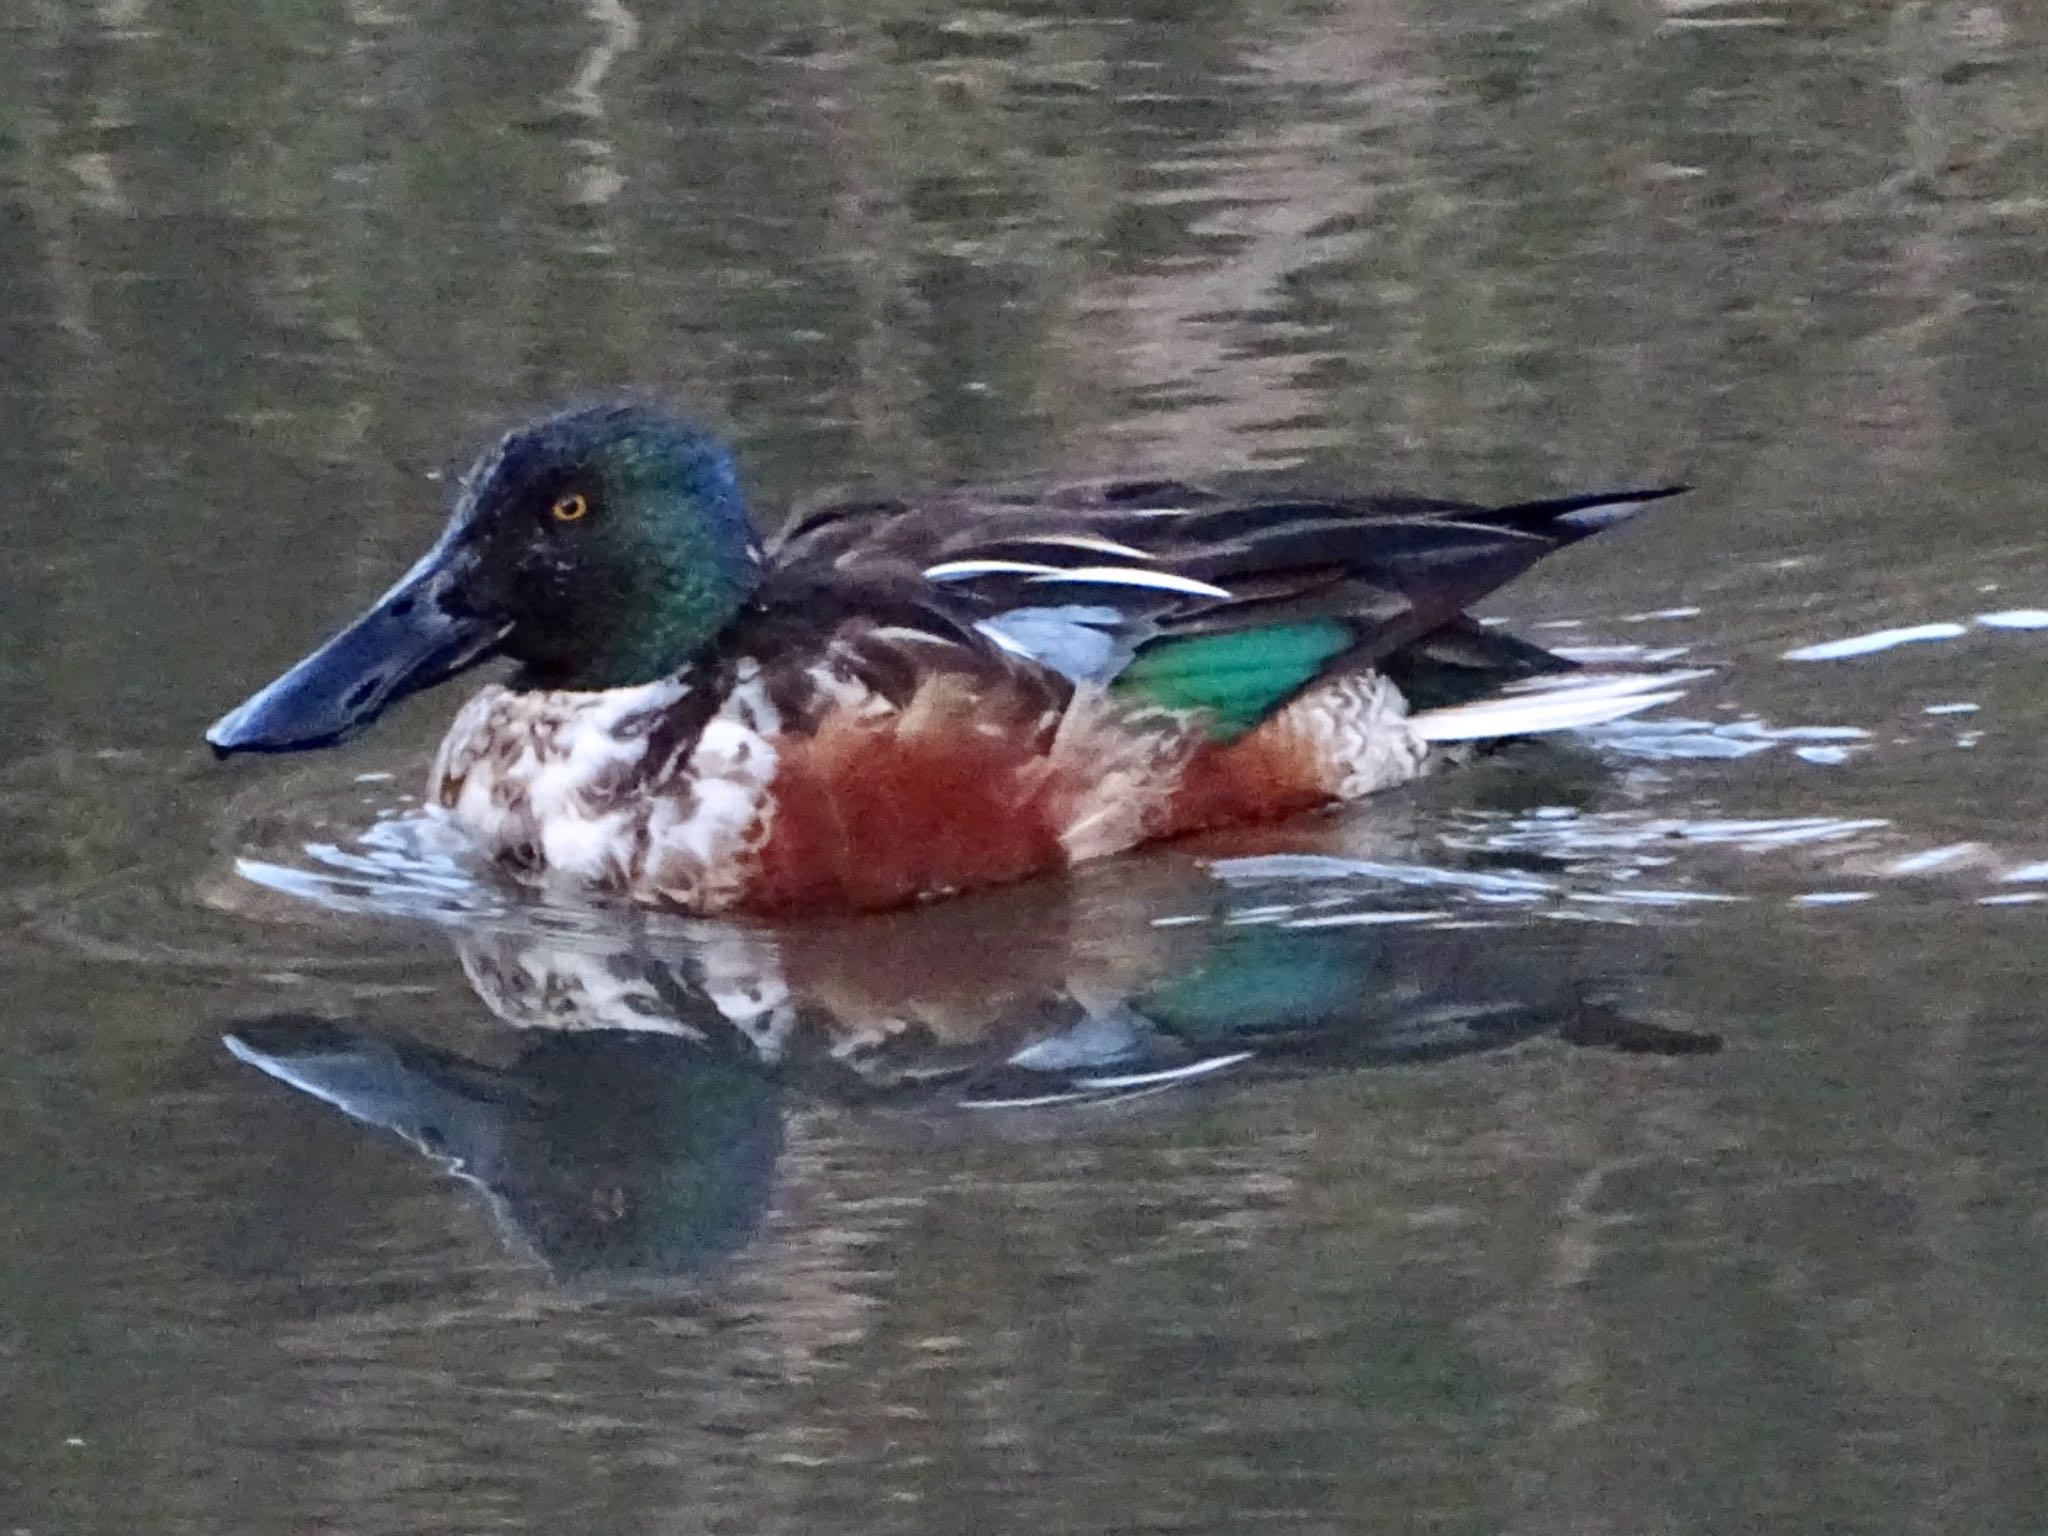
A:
680, 614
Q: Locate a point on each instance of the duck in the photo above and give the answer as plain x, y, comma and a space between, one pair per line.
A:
898, 698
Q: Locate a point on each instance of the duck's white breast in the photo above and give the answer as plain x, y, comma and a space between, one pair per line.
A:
561, 786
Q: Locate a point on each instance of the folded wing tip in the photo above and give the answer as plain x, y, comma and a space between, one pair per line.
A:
1533, 710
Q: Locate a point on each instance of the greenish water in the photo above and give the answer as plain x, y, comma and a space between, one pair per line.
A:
1379, 1173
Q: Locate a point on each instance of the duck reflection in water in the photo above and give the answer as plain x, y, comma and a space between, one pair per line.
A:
635, 1132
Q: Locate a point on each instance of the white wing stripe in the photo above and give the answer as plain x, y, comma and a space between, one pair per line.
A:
1123, 576
960, 570
904, 633
1086, 541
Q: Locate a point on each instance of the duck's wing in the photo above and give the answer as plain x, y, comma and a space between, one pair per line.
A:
1198, 594
1194, 559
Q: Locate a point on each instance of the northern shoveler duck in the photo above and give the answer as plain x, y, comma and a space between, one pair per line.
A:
905, 697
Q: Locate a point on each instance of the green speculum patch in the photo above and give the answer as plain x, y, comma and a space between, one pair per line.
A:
1238, 678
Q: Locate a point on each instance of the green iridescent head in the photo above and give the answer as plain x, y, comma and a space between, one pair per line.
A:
598, 548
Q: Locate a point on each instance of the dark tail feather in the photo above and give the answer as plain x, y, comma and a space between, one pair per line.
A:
1462, 662
1567, 518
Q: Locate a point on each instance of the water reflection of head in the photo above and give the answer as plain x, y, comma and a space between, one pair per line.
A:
602, 1152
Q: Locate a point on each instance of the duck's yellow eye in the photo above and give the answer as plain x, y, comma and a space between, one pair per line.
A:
570, 507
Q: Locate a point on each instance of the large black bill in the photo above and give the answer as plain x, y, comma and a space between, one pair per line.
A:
381, 1082
410, 640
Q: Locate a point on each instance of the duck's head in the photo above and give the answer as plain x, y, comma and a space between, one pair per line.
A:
599, 548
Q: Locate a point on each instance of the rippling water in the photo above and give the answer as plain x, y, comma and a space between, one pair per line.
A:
1638, 1133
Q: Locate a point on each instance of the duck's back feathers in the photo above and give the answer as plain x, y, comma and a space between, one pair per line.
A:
1193, 554
1200, 597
